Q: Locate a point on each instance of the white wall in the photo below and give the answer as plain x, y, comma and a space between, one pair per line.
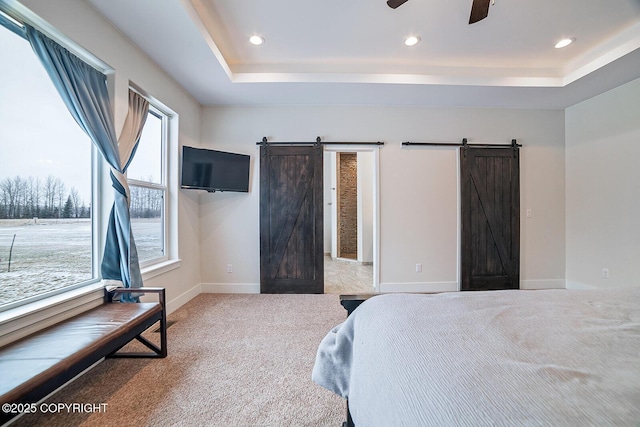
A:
418, 194
603, 189
327, 190
82, 24
419, 219
365, 206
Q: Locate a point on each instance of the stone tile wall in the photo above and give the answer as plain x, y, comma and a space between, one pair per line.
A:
348, 205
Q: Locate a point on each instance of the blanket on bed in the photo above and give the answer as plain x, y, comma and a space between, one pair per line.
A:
550, 357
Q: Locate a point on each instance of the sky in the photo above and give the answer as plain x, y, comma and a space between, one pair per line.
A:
38, 135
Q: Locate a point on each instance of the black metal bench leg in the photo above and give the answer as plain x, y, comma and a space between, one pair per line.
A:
349, 422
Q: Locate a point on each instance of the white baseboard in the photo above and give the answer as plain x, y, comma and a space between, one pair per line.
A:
230, 288
572, 284
419, 287
254, 288
543, 284
183, 298
454, 286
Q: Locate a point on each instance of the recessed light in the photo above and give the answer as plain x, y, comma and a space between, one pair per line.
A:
412, 40
256, 40
565, 43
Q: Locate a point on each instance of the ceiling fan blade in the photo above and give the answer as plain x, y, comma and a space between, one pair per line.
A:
395, 3
479, 10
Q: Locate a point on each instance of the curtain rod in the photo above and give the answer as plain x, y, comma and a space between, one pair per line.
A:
462, 144
12, 25
318, 141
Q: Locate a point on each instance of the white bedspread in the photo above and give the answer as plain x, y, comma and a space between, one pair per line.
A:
512, 358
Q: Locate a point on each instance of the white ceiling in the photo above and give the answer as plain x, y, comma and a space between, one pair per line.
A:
352, 51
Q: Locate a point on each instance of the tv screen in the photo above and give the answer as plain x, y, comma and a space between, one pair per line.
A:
212, 170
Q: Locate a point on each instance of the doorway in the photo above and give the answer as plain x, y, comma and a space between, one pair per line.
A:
351, 219
293, 202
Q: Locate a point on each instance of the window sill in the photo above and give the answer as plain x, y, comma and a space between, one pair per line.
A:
160, 268
21, 321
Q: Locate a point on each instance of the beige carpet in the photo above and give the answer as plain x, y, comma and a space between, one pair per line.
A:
234, 360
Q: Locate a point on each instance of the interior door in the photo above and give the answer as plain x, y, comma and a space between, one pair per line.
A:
490, 207
291, 219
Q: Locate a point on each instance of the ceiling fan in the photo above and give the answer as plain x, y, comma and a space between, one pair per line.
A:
479, 8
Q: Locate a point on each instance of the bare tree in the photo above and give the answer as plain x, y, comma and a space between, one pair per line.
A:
33, 197
4, 203
30, 207
35, 191
49, 195
60, 195
8, 197
20, 187
75, 202
136, 205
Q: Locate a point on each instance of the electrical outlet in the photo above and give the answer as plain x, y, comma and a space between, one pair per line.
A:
418, 268
229, 268
529, 213
605, 273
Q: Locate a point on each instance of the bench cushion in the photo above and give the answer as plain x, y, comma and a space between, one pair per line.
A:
47, 354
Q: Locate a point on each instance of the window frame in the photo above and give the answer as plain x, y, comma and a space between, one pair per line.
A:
15, 24
31, 316
160, 113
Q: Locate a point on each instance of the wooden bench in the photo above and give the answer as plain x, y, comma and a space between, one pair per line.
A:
34, 366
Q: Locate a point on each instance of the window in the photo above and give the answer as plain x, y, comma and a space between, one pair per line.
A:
50, 173
147, 181
46, 175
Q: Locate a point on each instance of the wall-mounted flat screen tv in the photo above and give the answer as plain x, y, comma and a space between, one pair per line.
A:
211, 170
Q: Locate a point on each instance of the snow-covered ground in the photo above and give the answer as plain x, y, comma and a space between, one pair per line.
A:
49, 254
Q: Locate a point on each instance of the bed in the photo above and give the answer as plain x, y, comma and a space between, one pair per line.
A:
547, 357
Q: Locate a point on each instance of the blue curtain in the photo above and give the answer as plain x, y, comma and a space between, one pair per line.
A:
84, 91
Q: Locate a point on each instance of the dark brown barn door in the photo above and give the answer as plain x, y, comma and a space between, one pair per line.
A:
291, 227
490, 206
